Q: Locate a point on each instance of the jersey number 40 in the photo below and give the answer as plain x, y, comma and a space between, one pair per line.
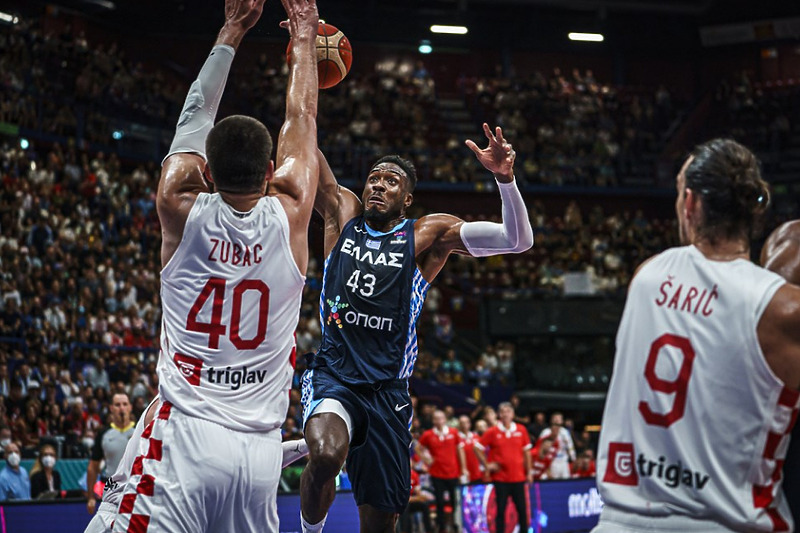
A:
215, 329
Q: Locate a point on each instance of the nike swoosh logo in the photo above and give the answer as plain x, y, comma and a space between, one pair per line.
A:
398, 407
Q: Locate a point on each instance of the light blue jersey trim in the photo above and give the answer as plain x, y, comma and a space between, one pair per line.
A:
419, 288
376, 233
322, 294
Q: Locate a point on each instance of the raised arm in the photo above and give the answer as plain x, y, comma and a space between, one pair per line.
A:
336, 204
296, 160
440, 235
183, 167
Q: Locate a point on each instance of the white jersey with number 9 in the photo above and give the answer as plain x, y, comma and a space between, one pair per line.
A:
231, 298
696, 425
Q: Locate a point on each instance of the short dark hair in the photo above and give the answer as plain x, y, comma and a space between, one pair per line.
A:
727, 176
406, 165
238, 150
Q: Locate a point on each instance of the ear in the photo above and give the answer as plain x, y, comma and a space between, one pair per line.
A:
408, 201
691, 205
208, 179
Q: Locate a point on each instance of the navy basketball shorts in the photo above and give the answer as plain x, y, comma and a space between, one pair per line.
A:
378, 463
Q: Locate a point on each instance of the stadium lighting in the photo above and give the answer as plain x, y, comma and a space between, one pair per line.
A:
453, 30
589, 37
24, 144
8, 17
117, 134
425, 47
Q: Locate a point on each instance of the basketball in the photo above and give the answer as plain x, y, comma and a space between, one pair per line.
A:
334, 55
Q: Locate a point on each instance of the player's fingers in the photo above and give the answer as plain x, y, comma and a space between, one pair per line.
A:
472, 146
488, 132
499, 134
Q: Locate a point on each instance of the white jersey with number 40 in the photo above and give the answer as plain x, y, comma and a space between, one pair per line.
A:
231, 299
696, 425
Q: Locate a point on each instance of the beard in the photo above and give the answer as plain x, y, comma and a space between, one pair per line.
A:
371, 214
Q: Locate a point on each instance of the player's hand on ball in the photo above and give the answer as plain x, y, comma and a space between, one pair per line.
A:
303, 18
243, 13
498, 157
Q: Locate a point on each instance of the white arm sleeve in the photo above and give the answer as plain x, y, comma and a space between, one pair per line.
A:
514, 235
200, 107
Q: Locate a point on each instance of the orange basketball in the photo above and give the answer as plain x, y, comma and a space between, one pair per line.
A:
334, 55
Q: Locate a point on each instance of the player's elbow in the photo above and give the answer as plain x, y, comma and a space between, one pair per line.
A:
525, 241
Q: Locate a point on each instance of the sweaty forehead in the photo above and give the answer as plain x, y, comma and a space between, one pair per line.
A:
388, 167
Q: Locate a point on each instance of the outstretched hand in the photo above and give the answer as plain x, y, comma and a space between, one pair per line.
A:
243, 13
303, 18
498, 157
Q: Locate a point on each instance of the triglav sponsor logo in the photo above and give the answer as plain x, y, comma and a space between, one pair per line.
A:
620, 467
585, 504
189, 367
625, 468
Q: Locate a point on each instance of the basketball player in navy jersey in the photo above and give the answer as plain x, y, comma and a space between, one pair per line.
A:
781, 254
378, 269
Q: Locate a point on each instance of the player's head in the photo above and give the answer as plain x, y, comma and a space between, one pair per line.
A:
439, 419
464, 424
388, 190
120, 407
505, 411
721, 195
781, 252
238, 150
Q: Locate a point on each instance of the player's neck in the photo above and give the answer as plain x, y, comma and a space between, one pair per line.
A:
242, 202
383, 227
724, 250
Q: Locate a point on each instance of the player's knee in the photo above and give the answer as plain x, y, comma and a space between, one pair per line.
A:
326, 458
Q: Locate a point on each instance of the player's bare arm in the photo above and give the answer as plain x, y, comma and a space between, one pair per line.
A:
779, 335
296, 161
183, 168
335, 204
439, 235
781, 252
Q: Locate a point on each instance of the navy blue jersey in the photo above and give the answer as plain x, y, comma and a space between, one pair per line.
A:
372, 295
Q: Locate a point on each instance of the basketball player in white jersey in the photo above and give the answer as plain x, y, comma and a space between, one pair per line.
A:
705, 385
103, 519
233, 265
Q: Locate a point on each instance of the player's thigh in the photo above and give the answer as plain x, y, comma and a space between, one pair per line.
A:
101, 522
375, 520
251, 505
181, 477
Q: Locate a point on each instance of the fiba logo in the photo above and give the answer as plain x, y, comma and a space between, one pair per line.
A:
189, 367
621, 468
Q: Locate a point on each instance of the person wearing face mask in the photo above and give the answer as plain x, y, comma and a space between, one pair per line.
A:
44, 479
14, 482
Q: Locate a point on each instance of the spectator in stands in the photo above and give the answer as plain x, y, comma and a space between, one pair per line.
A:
14, 481
109, 445
565, 453
584, 465
542, 457
470, 439
504, 452
538, 425
45, 480
442, 451
451, 370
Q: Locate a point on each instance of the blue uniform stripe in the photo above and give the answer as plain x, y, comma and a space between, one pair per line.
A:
419, 289
322, 295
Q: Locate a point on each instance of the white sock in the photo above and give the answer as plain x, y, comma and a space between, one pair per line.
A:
292, 451
312, 528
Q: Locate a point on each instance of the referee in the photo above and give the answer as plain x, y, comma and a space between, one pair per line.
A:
109, 445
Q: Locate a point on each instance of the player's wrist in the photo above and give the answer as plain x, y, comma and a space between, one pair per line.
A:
504, 179
231, 34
